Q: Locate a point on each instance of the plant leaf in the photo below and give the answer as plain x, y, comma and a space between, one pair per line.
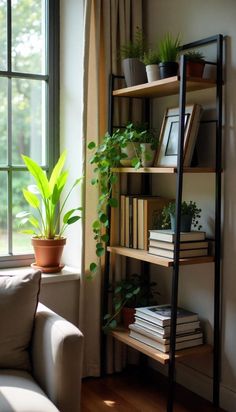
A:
57, 171
31, 198
39, 176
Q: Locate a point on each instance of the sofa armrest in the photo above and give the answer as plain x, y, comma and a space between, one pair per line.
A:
57, 351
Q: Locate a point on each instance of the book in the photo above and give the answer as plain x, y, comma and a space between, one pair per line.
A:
122, 220
135, 223
159, 338
182, 253
162, 347
183, 245
169, 236
149, 215
161, 314
165, 330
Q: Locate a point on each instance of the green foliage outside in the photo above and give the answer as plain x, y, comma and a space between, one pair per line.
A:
27, 116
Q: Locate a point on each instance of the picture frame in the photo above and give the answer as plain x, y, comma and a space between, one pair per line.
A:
168, 141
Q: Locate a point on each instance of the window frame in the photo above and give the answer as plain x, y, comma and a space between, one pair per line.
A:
52, 111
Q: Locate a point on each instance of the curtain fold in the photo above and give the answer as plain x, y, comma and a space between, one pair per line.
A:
108, 25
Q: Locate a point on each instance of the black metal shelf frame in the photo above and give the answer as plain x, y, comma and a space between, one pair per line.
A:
218, 40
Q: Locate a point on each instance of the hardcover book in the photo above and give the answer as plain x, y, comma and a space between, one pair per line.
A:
183, 245
162, 314
166, 341
182, 253
169, 235
162, 347
164, 331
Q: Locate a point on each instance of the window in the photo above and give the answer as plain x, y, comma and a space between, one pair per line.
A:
28, 110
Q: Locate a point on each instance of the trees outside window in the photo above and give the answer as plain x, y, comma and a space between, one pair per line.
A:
28, 109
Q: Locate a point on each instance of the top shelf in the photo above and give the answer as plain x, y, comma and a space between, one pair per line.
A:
164, 87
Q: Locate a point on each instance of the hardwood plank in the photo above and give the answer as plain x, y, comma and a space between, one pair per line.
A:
164, 87
148, 257
137, 389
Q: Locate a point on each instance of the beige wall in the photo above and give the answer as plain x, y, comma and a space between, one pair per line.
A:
197, 20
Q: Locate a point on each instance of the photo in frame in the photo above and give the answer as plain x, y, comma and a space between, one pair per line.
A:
168, 142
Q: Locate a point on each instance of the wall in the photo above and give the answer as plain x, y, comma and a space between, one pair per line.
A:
196, 20
71, 87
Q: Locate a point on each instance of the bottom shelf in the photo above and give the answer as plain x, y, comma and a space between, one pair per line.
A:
123, 336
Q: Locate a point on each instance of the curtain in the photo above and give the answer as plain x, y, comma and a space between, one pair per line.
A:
108, 25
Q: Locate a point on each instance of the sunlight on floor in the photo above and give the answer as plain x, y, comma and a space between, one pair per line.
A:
111, 404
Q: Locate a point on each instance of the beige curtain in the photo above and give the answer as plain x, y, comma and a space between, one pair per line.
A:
108, 24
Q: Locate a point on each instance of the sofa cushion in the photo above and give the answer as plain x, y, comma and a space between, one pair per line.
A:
18, 304
20, 393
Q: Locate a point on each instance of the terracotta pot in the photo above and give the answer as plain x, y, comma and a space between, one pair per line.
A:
128, 316
48, 254
195, 69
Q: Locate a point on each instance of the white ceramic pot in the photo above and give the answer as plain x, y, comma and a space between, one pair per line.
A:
152, 71
147, 154
131, 151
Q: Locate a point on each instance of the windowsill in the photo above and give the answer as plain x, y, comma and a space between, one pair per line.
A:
67, 274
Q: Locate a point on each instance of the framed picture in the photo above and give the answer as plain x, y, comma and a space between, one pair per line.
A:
168, 146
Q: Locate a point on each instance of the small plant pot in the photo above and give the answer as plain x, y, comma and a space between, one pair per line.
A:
168, 69
147, 154
48, 254
152, 72
131, 151
134, 72
127, 316
185, 223
195, 69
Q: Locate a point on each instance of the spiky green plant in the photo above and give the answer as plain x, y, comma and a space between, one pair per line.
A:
169, 48
44, 199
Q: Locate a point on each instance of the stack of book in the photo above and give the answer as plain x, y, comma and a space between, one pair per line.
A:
152, 327
192, 244
139, 214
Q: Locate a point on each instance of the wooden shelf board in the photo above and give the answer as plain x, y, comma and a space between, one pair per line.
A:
147, 257
164, 87
123, 336
168, 170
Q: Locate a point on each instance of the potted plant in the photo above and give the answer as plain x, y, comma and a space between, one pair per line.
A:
147, 147
195, 63
128, 294
151, 60
43, 198
190, 214
168, 53
132, 54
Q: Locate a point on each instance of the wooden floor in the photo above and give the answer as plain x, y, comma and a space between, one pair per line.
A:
132, 392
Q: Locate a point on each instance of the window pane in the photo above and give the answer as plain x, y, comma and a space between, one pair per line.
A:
3, 214
28, 36
3, 120
3, 34
21, 241
28, 119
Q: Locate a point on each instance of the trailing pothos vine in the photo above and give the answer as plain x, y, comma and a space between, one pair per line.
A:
106, 156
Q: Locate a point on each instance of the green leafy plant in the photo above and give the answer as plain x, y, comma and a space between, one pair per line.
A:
44, 199
134, 49
194, 56
169, 48
151, 57
107, 156
132, 292
187, 208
